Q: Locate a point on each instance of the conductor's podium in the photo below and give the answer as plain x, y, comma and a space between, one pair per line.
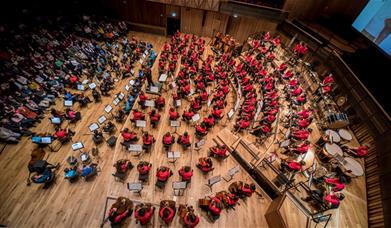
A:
284, 213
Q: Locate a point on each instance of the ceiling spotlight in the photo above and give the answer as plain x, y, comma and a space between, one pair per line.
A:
235, 15
173, 14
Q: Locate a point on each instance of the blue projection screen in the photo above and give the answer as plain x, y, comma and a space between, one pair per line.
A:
374, 22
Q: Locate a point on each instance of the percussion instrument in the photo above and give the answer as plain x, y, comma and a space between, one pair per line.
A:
333, 149
345, 134
333, 135
354, 166
167, 203
182, 211
337, 120
204, 202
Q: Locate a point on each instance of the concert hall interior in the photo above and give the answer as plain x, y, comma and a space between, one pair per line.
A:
195, 113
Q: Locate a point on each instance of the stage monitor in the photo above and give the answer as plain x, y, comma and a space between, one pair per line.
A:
374, 22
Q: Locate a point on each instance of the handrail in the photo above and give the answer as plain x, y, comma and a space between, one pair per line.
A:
259, 6
304, 32
362, 84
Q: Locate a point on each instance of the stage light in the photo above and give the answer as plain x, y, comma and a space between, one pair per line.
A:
235, 15
173, 14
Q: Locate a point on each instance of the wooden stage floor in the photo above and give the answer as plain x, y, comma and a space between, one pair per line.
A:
82, 204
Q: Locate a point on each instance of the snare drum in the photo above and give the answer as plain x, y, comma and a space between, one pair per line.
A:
333, 136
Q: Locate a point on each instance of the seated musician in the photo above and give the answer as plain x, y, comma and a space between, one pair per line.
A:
228, 199
154, 116
205, 164
190, 220
97, 137
120, 210
299, 134
201, 130
83, 100
121, 167
184, 140
196, 104
333, 199
63, 135
173, 115
303, 123
187, 115
186, 173
109, 127
137, 115
262, 129
160, 102
71, 173
242, 124
301, 148
129, 136
359, 152
142, 98
167, 212
45, 177
119, 117
204, 96
219, 151
168, 140
148, 140
143, 213
217, 112
335, 183
96, 95
214, 208
209, 121
247, 190
143, 167
56, 113
89, 170
163, 173
72, 115
291, 166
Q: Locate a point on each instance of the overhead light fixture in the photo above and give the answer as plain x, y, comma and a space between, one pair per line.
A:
173, 14
235, 15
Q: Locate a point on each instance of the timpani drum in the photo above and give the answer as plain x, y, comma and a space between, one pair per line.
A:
345, 134
333, 149
354, 166
333, 135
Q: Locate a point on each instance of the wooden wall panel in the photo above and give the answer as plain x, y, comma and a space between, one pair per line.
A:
191, 20
214, 22
242, 27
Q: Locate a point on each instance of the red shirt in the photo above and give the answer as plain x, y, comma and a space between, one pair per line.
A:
217, 113
143, 97
185, 140
167, 139
155, 117
144, 169
213, 208
61, 134
294, 166
186, 176
331, 198
188, 115
338, 186
170, 216
243, 124
147, 140
163, 175
128, 136
362, 151
188, 223
200, 129
173, 115
145, 218
138, 116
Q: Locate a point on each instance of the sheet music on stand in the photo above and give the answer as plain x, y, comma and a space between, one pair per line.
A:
80, 87
116, 101
39, 79
173, 154
108, 108
131, 82
127, 87
237, 104
121, 95
196, 117
141, 123
179, 187
93, 127
149, 103
154, 89
102, 119
209, 103
230, 113
85, 81
175, 123
135, 148
132, 71
214, 180
92, 85
77, 146
68, 103
135, 187
178, 103
200, 143
163, 78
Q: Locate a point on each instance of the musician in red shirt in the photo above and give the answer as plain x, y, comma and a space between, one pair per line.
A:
187, 115
184, 140
333, 199
359, 152
143, 213
299, 134
291, 166
215, 207
142, 98
143, 167
201, 130
205, 164
148, 140
217, 113
154, 116
190, 220
209, 121
129, 136
137, 115
186, 173
167, 214
335, 183
160, 102
302, 148
163, 173
219, 151
168, 140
